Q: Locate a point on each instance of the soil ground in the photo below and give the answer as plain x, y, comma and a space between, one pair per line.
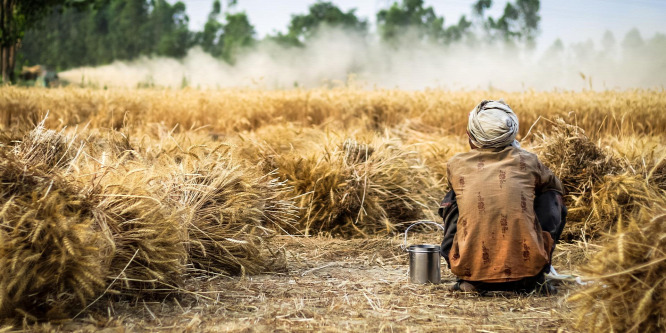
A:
332, 285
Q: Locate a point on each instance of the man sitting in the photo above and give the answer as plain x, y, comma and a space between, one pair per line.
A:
504, 212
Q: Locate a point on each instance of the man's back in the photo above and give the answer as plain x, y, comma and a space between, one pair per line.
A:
499, 238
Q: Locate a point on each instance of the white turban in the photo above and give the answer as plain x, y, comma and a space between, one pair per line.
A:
492, 124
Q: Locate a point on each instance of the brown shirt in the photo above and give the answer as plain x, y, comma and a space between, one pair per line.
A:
499, 238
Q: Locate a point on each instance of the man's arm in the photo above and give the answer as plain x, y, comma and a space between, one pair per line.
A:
551, 213
546, 180
448, 210
548, 205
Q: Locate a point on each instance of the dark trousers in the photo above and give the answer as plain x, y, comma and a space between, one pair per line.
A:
550, 211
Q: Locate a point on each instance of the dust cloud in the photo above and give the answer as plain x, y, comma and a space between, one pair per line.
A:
337, 57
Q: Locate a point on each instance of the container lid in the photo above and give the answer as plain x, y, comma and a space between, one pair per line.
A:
424, 248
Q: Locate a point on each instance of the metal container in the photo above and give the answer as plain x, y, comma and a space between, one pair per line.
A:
424, 260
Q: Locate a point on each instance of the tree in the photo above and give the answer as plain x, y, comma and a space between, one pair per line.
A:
303, 27
456, 32
519, 21
97, 24
481, 6
106, 30
410, 14
557, 48
168, 29
209, 38
608, 41
584, 52
529, 19
61, 38
656, 48
129, 35
633, 40
238, 33
224, 39
15, 18
503, 25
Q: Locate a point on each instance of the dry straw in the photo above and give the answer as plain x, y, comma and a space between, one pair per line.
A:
141, 207
228, 212
146, 238
600, 188
129, 221
350, 188
627, 291
230, 111
50, 254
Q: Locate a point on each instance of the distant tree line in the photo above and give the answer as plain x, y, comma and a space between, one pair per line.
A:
73, 33
107, 30
17, 16
65, 34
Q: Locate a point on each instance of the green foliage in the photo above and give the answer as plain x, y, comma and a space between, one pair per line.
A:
17, 16
62, 34
108, 30
225, 39
208, 39
410, 14
480, 6
237, 33
411, 17
519, 21
458, 31
321, 14
168, 27
24, 15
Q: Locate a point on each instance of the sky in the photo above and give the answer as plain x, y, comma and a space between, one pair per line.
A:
570, 20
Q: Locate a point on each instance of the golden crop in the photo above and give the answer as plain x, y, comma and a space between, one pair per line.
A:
637, 112
167, 182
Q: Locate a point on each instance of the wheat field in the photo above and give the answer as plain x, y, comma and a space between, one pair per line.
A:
115, 199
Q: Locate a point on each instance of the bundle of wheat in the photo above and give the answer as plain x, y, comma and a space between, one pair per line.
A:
222, 207
628, 287
146, 237
399, 180
50, 253
645, 155
657, 174
320, 184
580, 164
264, 146
46, 146
614, 198
356, 189
107, 146
574, 158
227, 211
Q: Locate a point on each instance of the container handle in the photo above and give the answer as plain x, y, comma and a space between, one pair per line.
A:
404, 245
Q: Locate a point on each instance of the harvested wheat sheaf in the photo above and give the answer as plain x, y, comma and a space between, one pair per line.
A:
50, 255
228, 211
628, 286
349, 188
600, 189
146, 238
155, 186
574, 158
41, 145
137, 221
